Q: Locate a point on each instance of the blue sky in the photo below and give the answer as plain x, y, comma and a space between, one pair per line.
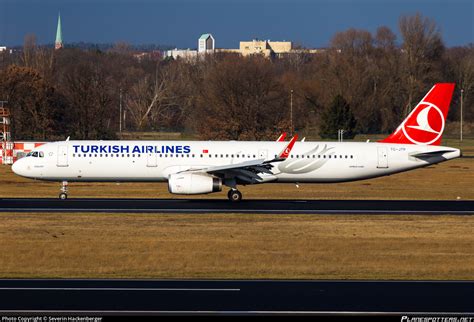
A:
180, 22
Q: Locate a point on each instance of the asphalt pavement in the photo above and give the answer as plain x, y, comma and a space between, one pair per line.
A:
461, 207
235, 296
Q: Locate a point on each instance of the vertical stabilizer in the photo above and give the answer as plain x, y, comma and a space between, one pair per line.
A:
425, 124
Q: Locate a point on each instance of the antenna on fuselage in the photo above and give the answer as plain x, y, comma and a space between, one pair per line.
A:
67, 139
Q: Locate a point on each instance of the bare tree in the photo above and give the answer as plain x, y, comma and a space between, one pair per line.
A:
353, 41
225, 96
460, 68
32, 101
121, 47
87, 86
241, 98
29, 47
387, 79
352, 62
385, 38
466, 74
422, 51
37, 57
149, 100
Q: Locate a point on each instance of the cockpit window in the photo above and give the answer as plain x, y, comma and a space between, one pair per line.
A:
36, 154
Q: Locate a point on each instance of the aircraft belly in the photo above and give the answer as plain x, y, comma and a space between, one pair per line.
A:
117, 170
320, 176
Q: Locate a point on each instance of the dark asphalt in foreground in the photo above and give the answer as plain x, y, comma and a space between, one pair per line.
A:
246, 206
102, 296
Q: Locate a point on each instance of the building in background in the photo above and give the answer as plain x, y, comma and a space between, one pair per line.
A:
266, 48
206, 43
185, 54
58, 44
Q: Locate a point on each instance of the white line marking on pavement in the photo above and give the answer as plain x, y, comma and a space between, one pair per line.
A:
118, 289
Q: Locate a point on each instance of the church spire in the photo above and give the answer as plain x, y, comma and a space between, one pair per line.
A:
59, 35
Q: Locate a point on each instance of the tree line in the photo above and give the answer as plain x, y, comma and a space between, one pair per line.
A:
365, 81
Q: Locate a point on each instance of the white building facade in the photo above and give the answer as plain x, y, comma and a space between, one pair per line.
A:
206, 42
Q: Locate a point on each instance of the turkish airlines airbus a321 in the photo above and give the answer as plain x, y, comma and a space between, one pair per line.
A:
201, 167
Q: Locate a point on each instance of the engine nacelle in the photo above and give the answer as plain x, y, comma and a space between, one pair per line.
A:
193, 183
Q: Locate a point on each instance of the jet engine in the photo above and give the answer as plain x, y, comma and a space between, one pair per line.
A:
193, 183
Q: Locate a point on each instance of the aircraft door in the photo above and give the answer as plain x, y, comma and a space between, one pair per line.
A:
382, 157
151, 160
62, 156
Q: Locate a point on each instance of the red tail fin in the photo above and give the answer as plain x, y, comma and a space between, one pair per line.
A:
425, 124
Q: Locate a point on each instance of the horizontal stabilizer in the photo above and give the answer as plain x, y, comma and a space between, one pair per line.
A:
422, 155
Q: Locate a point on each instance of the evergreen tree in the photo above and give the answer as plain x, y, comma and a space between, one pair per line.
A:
338, 116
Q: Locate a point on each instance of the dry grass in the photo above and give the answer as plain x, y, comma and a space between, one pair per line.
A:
448, 180
236, 246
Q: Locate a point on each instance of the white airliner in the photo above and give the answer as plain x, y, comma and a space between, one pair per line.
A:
201, 167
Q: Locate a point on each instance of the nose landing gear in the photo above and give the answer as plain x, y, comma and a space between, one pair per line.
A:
234, 195
63, 194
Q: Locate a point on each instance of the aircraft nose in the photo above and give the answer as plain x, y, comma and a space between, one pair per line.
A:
19, 167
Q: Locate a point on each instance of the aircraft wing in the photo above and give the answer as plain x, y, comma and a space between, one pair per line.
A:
241, 165
248, 172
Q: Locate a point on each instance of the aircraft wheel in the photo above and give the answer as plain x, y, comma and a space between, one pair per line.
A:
234, 195
63, 196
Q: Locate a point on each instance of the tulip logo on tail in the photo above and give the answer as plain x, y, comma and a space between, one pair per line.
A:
426, 125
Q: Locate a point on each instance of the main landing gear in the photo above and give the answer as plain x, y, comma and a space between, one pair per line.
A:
234, 195
63, 194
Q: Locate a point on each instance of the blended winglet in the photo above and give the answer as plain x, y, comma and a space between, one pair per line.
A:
282, 137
